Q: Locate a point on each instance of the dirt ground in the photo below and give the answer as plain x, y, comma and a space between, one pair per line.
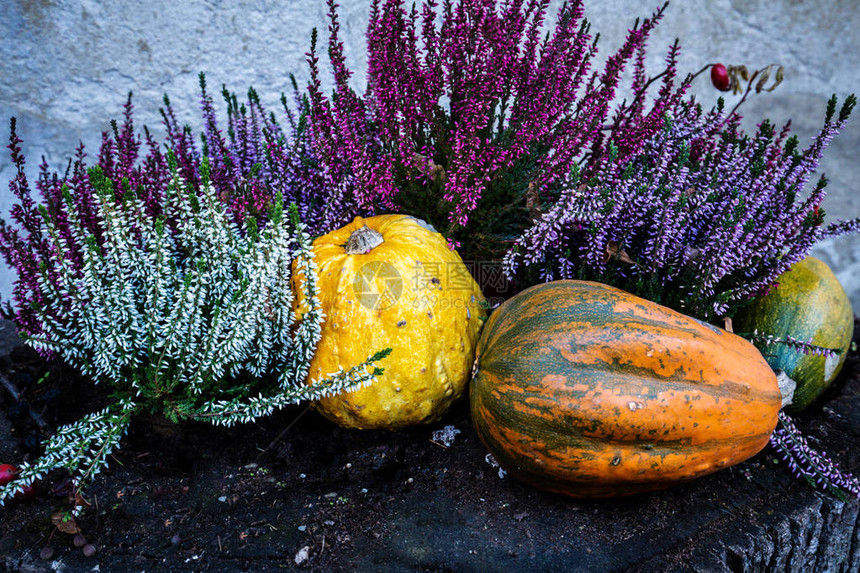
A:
293, 491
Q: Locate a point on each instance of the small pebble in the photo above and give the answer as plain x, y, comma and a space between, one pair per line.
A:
303, 554
175, 540
46, 553
79, 540
89, 550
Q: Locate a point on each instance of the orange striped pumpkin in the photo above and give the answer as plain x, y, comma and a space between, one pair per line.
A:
585, 390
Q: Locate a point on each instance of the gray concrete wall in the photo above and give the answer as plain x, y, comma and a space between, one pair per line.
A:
66, 67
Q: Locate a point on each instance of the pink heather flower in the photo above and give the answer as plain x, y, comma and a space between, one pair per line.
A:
467, 105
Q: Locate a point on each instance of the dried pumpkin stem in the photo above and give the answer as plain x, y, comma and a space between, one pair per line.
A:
363, 241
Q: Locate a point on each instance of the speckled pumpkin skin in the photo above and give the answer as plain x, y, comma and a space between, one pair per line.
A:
431, 323
809, 303
585, 390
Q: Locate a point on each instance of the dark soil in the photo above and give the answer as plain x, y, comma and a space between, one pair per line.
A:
294, 487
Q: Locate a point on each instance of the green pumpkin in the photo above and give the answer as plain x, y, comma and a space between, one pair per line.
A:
808, 303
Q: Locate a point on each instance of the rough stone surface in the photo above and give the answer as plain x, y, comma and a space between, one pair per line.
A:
67, 66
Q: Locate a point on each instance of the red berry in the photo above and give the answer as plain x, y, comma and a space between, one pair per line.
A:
7, 473
27, 493
720, 77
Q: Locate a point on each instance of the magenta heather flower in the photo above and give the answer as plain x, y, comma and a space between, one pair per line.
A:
471, 117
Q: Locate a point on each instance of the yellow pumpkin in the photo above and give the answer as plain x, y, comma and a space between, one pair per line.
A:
391, 281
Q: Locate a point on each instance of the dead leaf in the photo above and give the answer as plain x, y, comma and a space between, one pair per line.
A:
65, 523
737, 75
765, 75
780, 75
613, 251
429, 168
80, 501
533, 202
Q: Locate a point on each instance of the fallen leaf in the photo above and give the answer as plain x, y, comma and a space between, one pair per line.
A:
613, 251
80, 501
65, 523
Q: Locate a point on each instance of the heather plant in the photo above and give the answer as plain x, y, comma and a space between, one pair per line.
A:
177, 307
701, 218
470, 118
256, 161
807, 463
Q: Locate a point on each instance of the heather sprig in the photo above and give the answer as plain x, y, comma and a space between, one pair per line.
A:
816, 468
258, 159
188, 313
804, 346
702, 217
82, 448
470, 119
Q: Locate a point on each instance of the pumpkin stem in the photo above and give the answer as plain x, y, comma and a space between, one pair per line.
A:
363, 240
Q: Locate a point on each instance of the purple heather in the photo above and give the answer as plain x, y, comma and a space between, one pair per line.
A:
466, 107
252, 164
806, 463
706, 217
